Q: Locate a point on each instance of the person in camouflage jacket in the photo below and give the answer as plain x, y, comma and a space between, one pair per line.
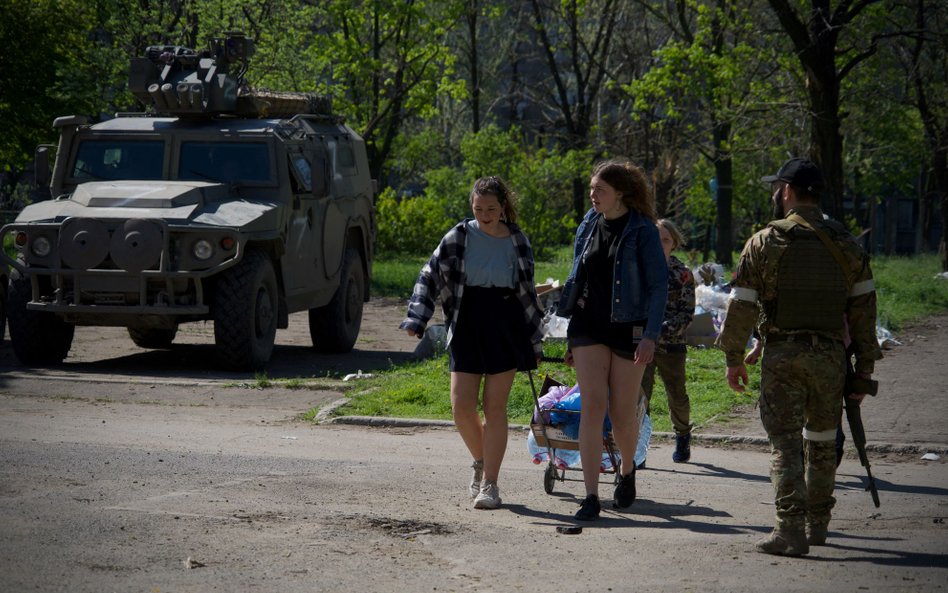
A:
671, 351
804, 279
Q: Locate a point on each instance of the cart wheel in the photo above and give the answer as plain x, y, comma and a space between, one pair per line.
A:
549, 476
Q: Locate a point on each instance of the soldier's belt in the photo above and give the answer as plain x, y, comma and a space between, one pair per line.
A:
803, 338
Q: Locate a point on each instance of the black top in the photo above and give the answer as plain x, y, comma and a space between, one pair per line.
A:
599, 262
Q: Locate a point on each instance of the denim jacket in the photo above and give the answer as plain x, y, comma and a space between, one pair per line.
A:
640, 286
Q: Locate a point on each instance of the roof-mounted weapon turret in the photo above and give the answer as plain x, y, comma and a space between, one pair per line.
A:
180, 81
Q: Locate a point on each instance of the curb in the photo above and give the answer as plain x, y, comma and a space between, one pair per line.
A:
718, 439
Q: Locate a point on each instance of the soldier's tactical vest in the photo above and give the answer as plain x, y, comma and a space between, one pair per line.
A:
811, 288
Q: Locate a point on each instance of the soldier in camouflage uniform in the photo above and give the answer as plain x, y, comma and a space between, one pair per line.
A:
671, 352
805, 277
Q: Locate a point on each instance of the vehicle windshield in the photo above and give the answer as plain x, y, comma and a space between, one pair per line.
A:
225, 162
107, 160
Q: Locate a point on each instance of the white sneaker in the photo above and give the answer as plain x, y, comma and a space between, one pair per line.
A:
489, 496
478, 467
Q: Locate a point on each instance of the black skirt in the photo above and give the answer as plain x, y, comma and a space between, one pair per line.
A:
491, 334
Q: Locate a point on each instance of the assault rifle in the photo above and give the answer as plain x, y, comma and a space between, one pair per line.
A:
856, 384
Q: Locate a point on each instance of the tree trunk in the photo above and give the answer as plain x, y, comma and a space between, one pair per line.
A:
923, 225
724, 172
579, 198
706, 247
940, 164
474, 67
826, 141
891, 224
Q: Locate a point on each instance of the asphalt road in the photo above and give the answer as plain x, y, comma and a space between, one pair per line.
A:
126, 470
160, 487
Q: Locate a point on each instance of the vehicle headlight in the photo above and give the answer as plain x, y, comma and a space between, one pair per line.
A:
203, 250
41, 247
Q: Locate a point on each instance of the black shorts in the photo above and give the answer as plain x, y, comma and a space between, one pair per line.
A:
622, 338
491, 333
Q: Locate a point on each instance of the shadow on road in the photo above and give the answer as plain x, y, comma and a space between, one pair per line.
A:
198, 362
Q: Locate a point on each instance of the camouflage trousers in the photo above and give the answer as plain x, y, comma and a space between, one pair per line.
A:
801, 397
671, 368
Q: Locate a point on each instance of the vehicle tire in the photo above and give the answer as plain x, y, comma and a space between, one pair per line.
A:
335, 327
154, 338
245, 313
38, 338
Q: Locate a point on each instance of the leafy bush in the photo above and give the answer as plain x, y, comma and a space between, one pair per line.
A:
542, 179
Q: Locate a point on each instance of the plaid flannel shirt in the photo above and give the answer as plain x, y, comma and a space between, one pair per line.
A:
444, 276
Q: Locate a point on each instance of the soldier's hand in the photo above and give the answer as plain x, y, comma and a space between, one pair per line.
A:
857, 397
737, 378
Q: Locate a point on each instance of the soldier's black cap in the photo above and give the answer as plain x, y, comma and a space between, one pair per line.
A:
798, 172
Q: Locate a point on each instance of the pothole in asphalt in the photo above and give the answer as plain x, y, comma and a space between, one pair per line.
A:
404, 528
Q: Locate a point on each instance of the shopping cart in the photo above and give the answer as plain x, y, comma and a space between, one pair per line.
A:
553, 437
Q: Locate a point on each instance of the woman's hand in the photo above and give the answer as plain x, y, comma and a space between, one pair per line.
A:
754, 355
568, 359
645, 351
417, 334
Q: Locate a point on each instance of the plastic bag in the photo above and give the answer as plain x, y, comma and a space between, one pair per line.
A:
554, 326
645, 435
562, 459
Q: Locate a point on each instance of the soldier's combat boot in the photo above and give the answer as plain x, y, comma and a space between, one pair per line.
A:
782, 542
682, 448
816, 534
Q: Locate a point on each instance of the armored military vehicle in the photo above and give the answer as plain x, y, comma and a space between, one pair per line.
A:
222, 204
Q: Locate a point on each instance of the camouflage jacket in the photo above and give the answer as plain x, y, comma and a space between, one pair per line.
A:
680, 307
755, 286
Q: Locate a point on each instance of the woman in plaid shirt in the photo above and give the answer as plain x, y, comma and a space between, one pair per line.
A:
483, 272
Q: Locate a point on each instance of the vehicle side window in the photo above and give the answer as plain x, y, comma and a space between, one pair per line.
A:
225, 162
108, 160
304, 173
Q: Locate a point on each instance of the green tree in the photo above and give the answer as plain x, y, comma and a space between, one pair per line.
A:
927, 62
576, 40
45, 68
823, 41
387, 63
706, 80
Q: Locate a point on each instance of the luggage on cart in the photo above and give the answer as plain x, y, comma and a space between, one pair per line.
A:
554, 437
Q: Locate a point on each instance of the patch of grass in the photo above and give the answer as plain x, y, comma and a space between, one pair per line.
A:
907, 289
422, 390
395, 276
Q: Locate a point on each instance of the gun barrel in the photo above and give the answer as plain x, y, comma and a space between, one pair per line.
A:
858, 433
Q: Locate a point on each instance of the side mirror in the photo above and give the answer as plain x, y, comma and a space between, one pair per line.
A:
41, 170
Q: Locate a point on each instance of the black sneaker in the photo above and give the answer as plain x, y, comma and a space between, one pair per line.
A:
589, 509
624, 495
682, 448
